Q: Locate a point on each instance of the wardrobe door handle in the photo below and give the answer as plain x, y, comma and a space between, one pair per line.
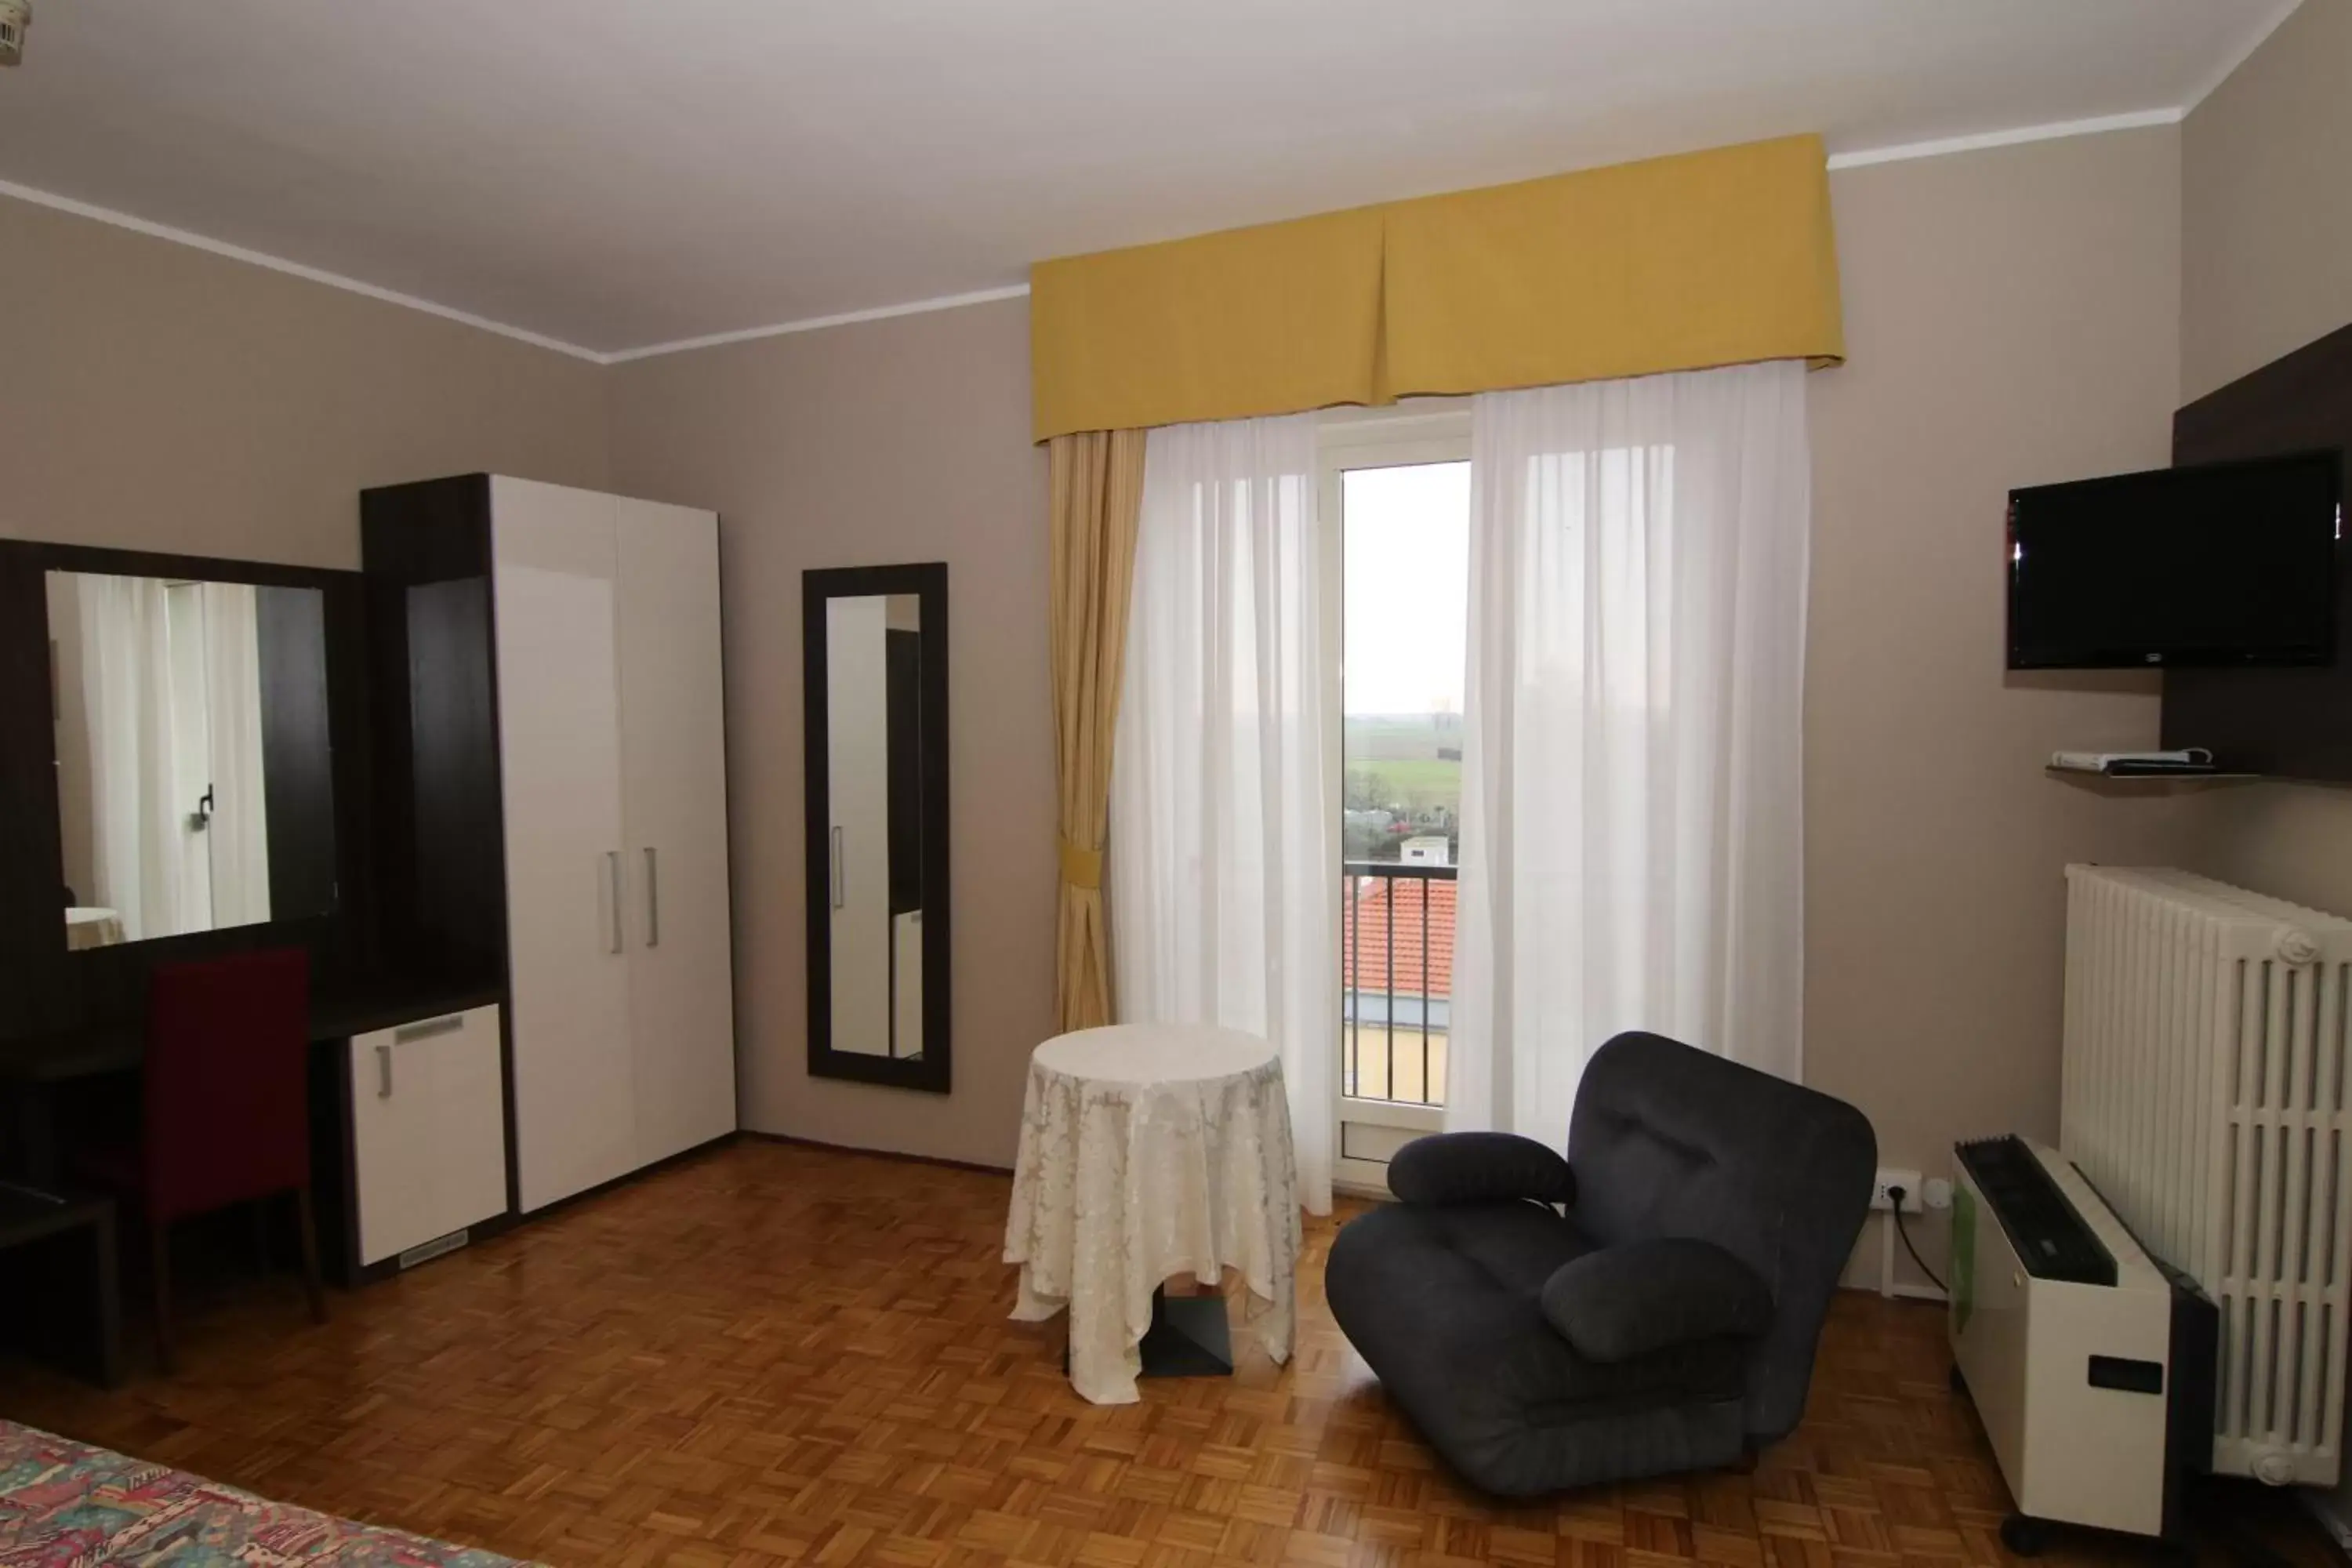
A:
835, 872
612, 869
653, 899
384, 1072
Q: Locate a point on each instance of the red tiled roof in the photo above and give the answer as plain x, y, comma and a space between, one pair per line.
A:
1366, 920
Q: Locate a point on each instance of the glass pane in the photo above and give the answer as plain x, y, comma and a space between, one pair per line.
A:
874, 789
193, 767
1405, 536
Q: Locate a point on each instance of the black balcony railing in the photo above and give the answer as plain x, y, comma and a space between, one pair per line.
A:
1395, 1006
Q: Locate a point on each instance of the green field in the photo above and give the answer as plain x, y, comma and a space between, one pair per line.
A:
1415, 782
1392, 758
1399, 737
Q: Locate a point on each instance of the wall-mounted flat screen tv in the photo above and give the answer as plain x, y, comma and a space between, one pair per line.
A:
2232, 564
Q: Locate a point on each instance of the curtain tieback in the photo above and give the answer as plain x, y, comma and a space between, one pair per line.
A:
1081, 867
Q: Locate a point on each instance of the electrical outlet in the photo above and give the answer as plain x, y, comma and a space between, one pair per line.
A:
1907, 1180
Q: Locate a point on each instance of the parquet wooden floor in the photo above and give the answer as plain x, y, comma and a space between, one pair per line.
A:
779, 1354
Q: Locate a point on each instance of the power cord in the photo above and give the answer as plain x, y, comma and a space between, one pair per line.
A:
1895, 1195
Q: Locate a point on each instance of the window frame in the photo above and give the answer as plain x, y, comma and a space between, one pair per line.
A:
1421, 431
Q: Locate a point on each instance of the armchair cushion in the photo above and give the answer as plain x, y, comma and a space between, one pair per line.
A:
1479, 1167
1619, 1303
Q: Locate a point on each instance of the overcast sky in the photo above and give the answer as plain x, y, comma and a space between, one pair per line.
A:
1407, 541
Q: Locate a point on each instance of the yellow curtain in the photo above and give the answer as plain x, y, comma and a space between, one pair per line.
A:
1683, 263
1097, 492
1127, 339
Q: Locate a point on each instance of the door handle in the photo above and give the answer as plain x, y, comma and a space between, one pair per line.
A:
653, 899
613, 870
427, 1029
384, 1072
836, 873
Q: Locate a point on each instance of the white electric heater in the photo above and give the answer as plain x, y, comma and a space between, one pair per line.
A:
2090, 1363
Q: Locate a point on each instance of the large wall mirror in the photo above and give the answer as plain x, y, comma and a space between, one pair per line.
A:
183, 773
193, 763
875, 646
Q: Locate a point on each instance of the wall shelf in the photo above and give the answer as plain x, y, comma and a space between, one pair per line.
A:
2092, 775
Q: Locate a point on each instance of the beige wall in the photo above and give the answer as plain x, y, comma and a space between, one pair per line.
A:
157, 398
2011, 318
2266, 191
2266, 247
891, 441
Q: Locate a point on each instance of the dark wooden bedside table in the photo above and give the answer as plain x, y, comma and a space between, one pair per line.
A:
59, 1297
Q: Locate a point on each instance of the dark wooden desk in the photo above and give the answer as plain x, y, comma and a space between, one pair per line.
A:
67, 1302
34, 1068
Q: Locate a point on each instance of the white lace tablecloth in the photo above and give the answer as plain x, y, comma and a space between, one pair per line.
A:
1149, 1150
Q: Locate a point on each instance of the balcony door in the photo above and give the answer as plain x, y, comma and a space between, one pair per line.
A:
1397, 564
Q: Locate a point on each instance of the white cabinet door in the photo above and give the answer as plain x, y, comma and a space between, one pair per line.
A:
469, 1113
428, 1124
674, 794
390, 1163
556, 588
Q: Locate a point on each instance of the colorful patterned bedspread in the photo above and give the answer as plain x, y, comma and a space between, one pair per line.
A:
66, 1505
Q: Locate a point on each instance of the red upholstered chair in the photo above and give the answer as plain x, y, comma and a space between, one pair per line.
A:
228, 1114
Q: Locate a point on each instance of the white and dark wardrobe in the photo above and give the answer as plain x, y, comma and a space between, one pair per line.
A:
547, 665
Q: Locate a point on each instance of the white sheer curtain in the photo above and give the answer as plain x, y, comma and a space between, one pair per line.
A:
1632, 790
135, 817
239, 834
1223, 848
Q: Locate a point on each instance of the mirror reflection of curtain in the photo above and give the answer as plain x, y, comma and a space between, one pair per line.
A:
171, 703
240, 831
191, 751
136, 822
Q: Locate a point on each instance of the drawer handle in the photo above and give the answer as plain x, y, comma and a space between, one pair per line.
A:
384, 1072
428, 1028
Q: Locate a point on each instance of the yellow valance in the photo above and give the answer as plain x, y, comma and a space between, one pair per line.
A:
1682, 263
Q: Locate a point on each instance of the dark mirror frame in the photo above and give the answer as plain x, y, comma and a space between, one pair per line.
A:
928, 583
45, 988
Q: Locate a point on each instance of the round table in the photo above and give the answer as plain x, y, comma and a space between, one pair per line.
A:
1148, 1149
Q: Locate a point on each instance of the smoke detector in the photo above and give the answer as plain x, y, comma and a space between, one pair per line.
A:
15, 15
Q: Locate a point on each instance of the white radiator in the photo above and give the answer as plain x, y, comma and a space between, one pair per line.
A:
2204, 1096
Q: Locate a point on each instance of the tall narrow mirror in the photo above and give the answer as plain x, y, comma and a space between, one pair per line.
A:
194, 788
876, 639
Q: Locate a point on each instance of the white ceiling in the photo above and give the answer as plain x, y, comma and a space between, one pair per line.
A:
618, 174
